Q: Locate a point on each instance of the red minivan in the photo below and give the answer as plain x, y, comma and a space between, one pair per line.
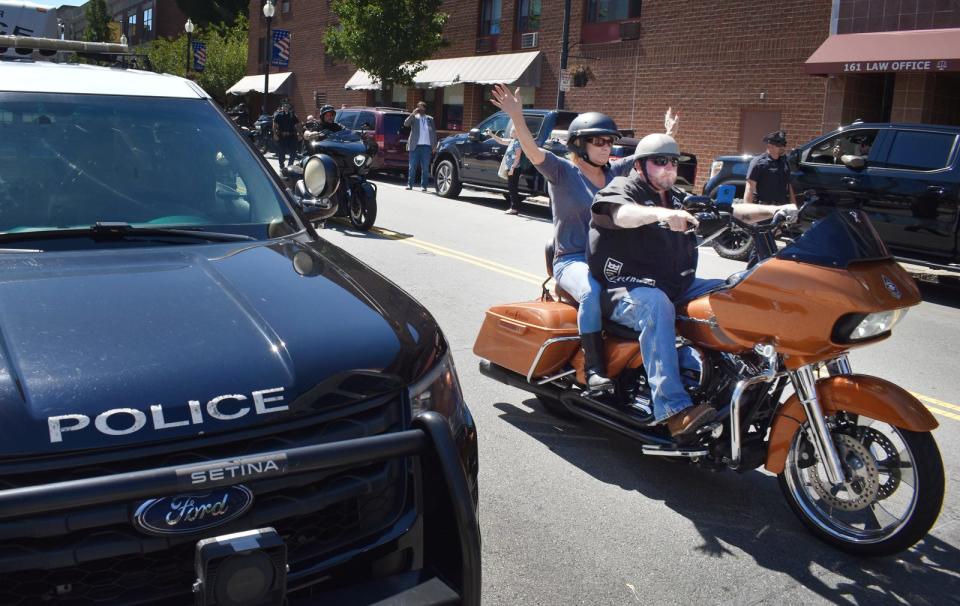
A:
385, 125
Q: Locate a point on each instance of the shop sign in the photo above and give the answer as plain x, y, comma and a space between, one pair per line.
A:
928, 65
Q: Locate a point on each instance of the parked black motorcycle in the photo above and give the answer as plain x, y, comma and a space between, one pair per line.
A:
356, 197
263, 133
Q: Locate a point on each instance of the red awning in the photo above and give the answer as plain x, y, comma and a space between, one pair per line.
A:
922, 50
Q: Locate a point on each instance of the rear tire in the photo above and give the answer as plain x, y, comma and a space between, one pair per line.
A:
735, 244
447, 179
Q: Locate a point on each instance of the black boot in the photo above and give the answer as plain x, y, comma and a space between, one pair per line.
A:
594, 365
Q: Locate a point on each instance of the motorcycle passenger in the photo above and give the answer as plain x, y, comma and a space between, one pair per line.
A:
647, 268
571, 184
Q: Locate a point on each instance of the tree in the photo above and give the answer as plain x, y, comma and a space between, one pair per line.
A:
226, 56
388, 39
206, 12
98, 22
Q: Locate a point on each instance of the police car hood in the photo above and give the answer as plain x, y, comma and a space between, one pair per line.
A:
104, 349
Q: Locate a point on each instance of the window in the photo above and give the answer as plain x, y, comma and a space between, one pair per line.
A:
603, 11
366, 121
832, 150
918, 150
528, 16
496, 123
132, 19
347, 118
490, 18
148, 19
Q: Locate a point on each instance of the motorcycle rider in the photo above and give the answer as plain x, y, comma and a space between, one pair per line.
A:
328, 123
571, 184
647, 268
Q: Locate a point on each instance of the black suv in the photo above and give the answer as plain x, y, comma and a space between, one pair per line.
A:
905, 176
201, 400
472, 159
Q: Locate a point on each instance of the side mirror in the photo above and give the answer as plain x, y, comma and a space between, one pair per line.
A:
475, 134
793, 159
853, 161
320, 176
694, 204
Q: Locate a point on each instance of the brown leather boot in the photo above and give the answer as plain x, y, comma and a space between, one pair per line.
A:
690, 419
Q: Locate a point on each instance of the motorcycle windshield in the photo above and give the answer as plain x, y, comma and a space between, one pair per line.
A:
837, 240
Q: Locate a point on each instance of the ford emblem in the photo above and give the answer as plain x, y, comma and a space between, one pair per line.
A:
189, 513
891, 287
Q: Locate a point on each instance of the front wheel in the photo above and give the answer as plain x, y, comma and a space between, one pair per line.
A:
363, 212
891, 494
447, 179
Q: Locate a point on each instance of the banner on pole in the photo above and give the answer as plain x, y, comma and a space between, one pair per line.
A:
199, 56
565, 80
280, 56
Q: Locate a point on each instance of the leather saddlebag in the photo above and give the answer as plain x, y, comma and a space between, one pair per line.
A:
512, 335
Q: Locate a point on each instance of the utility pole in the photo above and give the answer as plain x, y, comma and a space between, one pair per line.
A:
565, 43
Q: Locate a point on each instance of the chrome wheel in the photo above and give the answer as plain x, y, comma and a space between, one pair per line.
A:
891, 491
447, 179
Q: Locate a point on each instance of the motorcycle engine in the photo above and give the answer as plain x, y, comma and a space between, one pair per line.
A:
693, 372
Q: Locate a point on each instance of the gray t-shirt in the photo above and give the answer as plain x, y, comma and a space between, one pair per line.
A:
571, 194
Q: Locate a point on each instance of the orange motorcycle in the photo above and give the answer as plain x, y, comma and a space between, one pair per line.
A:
768, 349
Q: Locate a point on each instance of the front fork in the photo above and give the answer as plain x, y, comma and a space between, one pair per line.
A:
804, 384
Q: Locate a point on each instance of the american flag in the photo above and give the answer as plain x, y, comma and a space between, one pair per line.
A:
199, 56
281, 48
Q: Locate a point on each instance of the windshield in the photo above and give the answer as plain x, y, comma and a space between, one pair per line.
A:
840, 238
71, 161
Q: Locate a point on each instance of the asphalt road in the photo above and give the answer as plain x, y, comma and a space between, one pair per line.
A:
573, 514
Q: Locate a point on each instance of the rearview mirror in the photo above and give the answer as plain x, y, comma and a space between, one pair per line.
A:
475, 134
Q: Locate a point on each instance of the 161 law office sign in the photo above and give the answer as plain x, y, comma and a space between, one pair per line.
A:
915, 51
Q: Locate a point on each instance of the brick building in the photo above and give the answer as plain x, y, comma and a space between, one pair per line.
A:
732, 70
145, 20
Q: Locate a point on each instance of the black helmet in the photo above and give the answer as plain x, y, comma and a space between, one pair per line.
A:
326, 109
778, 138
589, 124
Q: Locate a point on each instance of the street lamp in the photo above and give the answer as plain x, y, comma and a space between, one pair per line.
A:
268, 12
188, 27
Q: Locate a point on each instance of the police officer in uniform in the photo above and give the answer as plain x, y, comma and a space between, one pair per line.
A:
768, 176
640, 253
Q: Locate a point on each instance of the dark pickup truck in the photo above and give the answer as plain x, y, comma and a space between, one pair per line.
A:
904, 176
472, 159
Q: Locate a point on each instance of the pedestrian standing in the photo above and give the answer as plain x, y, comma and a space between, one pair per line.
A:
286, 127
420, 145
768, 175
510, 166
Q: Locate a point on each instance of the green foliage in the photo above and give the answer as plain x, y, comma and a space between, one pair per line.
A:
387, 38
98, 22
226, 56
206, 12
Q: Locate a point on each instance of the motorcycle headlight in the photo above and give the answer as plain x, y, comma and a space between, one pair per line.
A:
859, 327
439, 390
359, 160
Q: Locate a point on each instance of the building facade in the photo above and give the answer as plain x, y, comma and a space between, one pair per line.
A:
145, 20
732, 70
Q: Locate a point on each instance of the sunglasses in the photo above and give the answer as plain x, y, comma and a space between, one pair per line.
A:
601, 141
664, 160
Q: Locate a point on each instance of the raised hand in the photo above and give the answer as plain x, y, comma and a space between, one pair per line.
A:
670, 121
508, 101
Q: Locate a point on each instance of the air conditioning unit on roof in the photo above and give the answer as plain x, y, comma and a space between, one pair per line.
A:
529, 40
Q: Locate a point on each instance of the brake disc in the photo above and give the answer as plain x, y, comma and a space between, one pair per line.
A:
861, 484
890, 462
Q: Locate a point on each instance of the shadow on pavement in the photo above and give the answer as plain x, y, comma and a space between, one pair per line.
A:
747, 511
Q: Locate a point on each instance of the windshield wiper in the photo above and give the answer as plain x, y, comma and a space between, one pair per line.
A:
119, 230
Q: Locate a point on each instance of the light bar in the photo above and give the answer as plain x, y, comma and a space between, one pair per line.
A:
77, 46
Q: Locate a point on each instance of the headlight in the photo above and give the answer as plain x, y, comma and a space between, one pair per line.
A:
858, 327
359, 160
439, 390
715, 168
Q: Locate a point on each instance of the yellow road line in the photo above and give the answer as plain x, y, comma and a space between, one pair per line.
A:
935, 401
446, 252
532, 279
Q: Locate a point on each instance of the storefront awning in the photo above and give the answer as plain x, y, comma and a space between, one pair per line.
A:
922, 50
254, 84
518, 69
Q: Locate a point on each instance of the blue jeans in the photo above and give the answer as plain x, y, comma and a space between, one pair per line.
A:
573, 275
419, 156
648, 311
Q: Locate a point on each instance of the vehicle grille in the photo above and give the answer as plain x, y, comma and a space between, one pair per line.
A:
94, 555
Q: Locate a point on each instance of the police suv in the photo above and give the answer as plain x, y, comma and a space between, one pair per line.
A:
201, 400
